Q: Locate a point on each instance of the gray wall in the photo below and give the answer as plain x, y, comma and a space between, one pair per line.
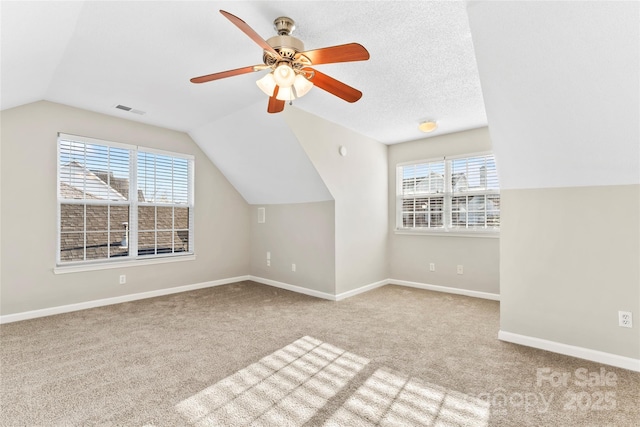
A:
563, 103
358, 183
28, 220
301, 234
410, 255
567, 272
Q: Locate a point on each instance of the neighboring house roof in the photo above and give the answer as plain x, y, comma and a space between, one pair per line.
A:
434, 183
76, 176
70, 192
459, 181
121, 185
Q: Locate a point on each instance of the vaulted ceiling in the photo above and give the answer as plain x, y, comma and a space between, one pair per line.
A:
560, 79
98, 54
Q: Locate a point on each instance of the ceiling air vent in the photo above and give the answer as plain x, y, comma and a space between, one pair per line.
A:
129, 109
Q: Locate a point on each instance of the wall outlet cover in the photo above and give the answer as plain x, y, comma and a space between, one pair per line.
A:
625, 319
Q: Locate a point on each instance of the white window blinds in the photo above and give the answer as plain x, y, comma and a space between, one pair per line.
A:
449, 195
163, 204
117, 201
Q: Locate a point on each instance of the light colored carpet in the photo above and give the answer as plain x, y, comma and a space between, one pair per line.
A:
249, 354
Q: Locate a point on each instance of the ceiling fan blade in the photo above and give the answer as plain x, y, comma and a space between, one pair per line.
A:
341, 53
275, 105
245, 28
334, 86
228, 73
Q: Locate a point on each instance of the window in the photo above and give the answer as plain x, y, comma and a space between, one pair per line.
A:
122, 202
457, 194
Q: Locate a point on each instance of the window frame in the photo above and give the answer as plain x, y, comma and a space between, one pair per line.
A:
448, 195
132, 202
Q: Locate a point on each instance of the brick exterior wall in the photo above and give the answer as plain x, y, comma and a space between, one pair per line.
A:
103, 243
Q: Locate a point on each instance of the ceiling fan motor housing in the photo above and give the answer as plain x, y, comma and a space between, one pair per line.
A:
286, 46
284, 43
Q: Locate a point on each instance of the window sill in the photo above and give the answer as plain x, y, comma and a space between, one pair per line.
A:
481, 234
64, 269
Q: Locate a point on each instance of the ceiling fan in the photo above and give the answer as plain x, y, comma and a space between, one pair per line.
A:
291, 75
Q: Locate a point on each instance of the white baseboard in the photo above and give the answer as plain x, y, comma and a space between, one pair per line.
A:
570, 350
319, 294
8, 318
360, 290
555, 347
293, 288
371, 286
449, 290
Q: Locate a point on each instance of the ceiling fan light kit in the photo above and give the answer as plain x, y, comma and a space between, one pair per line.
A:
267, 84
302, 85
285, 94
291, 75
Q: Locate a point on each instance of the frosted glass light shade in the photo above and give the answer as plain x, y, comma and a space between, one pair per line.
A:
428, 126
291, 85
284, 76
267, 84
301, 85
285, 94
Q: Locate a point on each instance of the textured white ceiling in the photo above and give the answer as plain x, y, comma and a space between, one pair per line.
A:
98, 54
95, 55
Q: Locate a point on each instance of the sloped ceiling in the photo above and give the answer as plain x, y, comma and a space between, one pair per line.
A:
33, 45
239, 149
97, 54
561, 82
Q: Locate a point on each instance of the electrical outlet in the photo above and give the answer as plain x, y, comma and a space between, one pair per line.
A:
459, 269
432, 267
123, 279
625, 319
293, 267
268, 263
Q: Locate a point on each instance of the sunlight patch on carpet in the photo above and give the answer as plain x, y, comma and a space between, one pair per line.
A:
289, 386
391, 399
285, 388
